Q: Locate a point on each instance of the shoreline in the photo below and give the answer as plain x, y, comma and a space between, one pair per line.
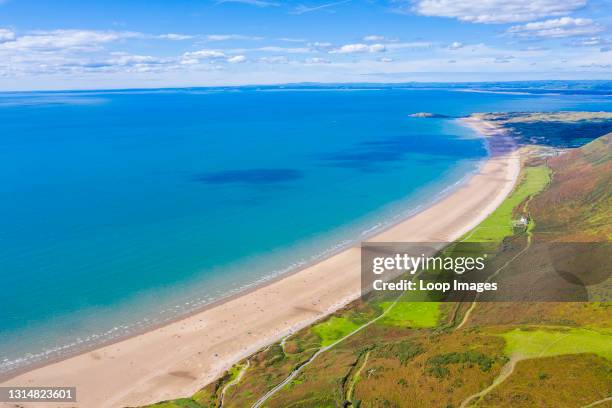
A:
399, 215
192, 350
258, 284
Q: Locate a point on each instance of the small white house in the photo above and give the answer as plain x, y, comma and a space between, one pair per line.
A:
521, 222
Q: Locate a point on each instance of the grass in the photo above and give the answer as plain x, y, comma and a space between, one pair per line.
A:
235, 371
575, 380
411, 314
498, 225
179, 403
547, 343
334, 329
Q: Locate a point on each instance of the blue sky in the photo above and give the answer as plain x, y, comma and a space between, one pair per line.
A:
64, 44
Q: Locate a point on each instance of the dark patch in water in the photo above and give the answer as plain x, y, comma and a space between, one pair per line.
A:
372, 155
250, 176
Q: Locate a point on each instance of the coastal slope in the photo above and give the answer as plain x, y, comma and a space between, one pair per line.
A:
485, 354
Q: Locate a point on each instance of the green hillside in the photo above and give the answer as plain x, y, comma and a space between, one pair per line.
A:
483, 354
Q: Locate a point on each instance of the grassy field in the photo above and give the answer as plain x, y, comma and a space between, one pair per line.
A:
536, 343
498, 225
334, 329
412, 314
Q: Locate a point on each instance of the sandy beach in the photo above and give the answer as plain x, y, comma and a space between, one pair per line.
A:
178, 359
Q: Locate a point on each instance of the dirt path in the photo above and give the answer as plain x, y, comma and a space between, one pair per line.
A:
297, 370
601, 401
233, 382
349, 392
505, 372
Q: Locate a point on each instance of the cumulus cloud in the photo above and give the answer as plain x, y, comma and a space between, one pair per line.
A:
127, 59
557, 28
358, 48
414, 45
493, 11
280, 59
317, 60
58, 40
290, 39
605, 44
195, 57
294, 50
205, 54
591, 42
455, 45
373, 38
320, 46
226, 37
174, 37
6, 35
236, 59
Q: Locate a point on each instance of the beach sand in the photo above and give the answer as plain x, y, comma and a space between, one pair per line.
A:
177, 359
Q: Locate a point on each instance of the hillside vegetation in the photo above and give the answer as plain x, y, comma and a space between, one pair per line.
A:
482, 354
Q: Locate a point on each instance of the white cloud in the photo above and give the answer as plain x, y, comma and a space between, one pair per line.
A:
415, 45
557, 28
358, 48
455, 45
236, 59
315, 60
504, 59
386, 59
189, 61
377, 48
174, 37
6, 35
126, 59
58, 40
591, 42
299, 50
495, 11
195, 57
320, 45
289, 39
205, 54
596, 65
226, 37
605, 44
373, 38
280, 59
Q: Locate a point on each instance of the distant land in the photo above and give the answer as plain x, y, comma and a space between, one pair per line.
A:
562, 87
427, 115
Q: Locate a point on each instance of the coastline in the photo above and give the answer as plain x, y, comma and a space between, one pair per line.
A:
192, 351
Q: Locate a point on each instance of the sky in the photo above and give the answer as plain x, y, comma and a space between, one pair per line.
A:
85, 44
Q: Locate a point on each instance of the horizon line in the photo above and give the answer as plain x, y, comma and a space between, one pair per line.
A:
305, 83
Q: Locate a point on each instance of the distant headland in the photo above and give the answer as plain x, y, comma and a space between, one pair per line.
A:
428, 115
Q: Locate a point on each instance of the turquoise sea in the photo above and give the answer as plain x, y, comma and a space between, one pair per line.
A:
123, 209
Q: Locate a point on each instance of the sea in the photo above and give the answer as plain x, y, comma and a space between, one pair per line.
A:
124, 209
